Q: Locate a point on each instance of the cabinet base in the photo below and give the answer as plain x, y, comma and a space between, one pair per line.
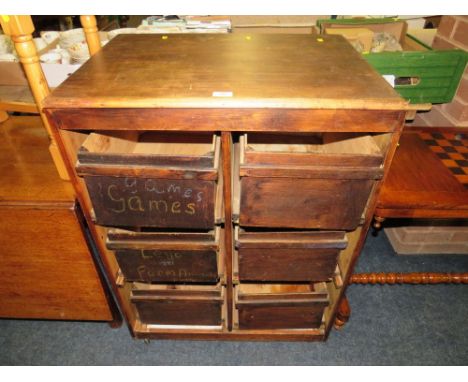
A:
142, 331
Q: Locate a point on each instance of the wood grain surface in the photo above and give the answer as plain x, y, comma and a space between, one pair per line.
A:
28, 173
231, 70
241, 83
419, 185
47, 268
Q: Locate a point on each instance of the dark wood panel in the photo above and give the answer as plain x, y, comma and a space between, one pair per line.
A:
303, 203
284, 120
167, 312
144, 202
286, 264
294, 316
181, 305
288, 256
168, 265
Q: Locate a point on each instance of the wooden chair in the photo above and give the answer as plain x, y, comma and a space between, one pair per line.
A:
47, 258
20, 28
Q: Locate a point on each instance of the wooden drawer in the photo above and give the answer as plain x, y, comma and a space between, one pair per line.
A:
155, 257
317, 181
288, 256
280, 306
197, 305
163, 180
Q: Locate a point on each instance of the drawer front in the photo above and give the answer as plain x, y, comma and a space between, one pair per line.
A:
286, 264
280, 306
281, 317
167, 257
149, 202
288, 256
153, 266
178, 305
303, 203
175, 312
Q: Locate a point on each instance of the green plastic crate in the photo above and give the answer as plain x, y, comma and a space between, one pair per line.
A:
437, 72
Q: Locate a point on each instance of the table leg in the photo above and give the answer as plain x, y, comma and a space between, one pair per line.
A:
343, 313
378, 220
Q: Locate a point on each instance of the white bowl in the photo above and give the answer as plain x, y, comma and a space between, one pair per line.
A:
70, 37
79, 50
50, 36
51, 58
66, 57
40, 43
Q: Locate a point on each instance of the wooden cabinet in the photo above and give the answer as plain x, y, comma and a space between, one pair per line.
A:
47, 267
229, 182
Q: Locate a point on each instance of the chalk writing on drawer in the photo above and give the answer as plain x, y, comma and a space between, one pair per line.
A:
168, 265
152, 202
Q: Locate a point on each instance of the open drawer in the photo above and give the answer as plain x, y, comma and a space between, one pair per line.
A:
168, 257
177, 305
287, 256
153, 179
314, 181
280, 306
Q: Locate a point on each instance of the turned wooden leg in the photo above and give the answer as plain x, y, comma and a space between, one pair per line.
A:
3, 116
343, 313
409, 278
378, 220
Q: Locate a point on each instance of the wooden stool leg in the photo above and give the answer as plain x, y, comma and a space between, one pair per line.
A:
343, 313
3, 116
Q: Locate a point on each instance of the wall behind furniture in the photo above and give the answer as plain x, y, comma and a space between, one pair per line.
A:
451, 34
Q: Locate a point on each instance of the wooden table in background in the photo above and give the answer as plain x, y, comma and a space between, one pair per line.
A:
428, 177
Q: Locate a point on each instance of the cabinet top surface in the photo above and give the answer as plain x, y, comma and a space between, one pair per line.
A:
226, 71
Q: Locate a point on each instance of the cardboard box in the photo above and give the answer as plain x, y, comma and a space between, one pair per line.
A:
274, 24
12, 73
396, 28
353, 35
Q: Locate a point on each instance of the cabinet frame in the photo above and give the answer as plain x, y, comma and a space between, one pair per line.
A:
69, 142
